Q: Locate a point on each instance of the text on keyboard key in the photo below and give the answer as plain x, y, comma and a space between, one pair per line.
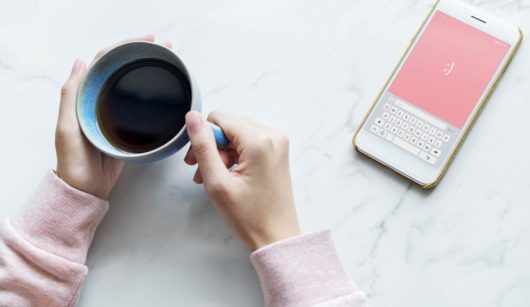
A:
432, 131
427, 157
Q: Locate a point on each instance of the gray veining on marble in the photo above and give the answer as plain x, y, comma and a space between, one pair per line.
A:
311, 68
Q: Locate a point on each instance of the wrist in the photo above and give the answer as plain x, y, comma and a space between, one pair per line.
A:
269, 237
81, 183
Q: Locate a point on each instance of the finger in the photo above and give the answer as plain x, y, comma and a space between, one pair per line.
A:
205, 150
168, 45
226, 155
233, 157
67, 120
238, 129
197, 178
190, 158
146, 38
228, 160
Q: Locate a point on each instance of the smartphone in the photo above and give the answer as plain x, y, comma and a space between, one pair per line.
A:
429, 103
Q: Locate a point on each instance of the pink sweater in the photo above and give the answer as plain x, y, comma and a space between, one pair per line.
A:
43, 250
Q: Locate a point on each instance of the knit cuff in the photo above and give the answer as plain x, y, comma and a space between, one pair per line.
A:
60, 219
301, 271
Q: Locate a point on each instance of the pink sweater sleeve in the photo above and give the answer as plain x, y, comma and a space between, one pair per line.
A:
305, 271
43, 249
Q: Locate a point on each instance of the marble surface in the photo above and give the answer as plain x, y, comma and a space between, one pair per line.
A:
310, 68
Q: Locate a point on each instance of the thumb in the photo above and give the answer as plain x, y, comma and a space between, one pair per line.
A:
205, 151
67, 116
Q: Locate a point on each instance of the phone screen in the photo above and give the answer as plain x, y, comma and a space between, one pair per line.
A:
438, 87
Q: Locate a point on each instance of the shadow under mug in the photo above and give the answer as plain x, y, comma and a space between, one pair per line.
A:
102, 70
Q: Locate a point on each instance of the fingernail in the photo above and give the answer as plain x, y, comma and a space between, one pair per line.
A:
76, 67
194, 121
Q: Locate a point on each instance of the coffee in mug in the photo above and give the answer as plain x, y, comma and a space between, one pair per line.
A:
133, 102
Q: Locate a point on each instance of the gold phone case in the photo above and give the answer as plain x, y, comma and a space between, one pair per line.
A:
473, 119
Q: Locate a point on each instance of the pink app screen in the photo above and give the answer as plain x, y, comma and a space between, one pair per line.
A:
449, 69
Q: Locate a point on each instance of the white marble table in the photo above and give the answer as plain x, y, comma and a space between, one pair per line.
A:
310, 68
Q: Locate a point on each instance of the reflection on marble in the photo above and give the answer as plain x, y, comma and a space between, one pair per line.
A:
310, 68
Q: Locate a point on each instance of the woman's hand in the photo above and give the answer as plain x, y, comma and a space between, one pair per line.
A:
79, 163
250, 182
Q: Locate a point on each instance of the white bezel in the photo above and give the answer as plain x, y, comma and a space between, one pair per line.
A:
401, 161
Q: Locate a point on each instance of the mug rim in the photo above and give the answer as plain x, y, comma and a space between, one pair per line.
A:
125, 155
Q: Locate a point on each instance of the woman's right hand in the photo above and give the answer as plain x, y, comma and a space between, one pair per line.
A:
249, 183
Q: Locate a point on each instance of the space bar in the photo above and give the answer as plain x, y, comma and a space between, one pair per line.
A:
408, 147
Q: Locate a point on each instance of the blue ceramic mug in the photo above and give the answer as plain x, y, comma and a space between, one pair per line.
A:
102, 70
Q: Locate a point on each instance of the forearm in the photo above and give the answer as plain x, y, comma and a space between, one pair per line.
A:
43, 248
305, 271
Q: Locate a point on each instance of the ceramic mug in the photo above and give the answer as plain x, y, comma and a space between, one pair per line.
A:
102, 70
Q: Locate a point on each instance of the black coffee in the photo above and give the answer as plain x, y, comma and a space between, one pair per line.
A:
143, 105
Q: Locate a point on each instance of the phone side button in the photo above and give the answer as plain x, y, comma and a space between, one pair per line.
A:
426, 157
406, 146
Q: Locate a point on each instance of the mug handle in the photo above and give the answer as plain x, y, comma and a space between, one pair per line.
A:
220, 137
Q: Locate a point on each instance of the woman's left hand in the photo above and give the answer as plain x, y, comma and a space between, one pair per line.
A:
80, 164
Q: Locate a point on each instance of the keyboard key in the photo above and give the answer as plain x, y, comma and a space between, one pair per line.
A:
427, 157
405, 125
387, 107
393, 109
406, 146
378, 121
406, 116
382, 133
394, 130
386, 115
426, 127
401, 133
407, 136
389, 137
413, 140
439, 134
436, 152
420, 143
399, 113
392, 119
419, 123
446, 138
418, 133
374, 129
420, 114
438, 143
431, 140
427, 147
387, 126
399, 122
412, 120
412, 129
424, 136
432, 131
